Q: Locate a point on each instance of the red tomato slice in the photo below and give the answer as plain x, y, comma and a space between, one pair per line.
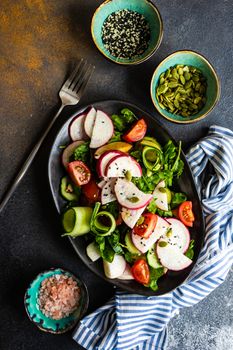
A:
79, 172
91, 191
137, 132
141, 272
186, 214
146, 228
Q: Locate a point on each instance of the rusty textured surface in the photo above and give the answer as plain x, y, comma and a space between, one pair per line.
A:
38, 41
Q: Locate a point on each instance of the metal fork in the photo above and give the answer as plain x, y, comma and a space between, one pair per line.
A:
70, 94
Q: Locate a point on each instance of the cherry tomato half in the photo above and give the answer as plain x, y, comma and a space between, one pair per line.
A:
79, 172
146, 225
140, 271
137, 132
91, 191
186, 214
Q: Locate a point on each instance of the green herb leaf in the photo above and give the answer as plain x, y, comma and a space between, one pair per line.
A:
155, 274
82, 152
124, 120
112, 208
177, 199
190, 251
130, 258
116, 137
152, 207
106, 251
114, 241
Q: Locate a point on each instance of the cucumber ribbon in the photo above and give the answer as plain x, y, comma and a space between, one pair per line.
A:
103, 223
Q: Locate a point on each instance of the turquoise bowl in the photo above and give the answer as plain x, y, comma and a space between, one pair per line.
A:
190, 58
144, 7
48, 324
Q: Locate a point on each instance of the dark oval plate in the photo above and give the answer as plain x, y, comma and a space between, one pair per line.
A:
170, 280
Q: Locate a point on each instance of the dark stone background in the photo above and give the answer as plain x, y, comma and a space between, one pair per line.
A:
39, 39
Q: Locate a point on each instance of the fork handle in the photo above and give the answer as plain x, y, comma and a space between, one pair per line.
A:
28, 162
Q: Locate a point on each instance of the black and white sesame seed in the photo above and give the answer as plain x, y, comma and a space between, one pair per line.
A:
126, 34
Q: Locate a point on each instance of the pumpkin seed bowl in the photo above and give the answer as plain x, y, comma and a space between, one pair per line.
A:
185, 87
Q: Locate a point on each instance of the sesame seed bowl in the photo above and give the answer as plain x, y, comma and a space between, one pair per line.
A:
56, 300
127, 32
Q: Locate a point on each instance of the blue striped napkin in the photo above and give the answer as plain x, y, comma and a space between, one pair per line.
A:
135, 322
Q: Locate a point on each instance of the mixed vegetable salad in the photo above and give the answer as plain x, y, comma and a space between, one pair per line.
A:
120, 197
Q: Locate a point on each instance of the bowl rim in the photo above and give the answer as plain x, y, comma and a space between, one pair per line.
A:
142, 59
85, 292
212, 70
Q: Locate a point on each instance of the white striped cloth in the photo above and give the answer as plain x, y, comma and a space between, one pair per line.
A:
135, 322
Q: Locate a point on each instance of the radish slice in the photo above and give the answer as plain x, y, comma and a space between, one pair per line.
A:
127, 274
104, 160
89, 121
130, 217
68, 151
115, 268
161, 198
101, 184
171, 257
129, 196
76, 128
144, 244
179, 235
93, 251
118, 166
107, 193
102, 131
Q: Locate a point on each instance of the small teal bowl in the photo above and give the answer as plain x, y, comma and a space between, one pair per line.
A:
48, 324
144, 7
190, 58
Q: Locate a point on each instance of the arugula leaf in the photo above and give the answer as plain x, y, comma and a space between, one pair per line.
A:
173, 165
124, 120
130, 258
155, 274
137, 154
152, 207
82, 152
145, 183
114, 241
112, 208
106, 251
190, 251
165, 214
177, 199
116, 137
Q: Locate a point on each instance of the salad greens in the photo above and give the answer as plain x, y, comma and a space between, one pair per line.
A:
124, 120
190, 251
108, 229
82, 152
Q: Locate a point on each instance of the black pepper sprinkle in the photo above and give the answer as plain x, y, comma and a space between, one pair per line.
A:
126, 34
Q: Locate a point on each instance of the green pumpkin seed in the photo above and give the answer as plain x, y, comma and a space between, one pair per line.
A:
187, 76
197, 87
172, 84
176, 104
162, 80
167, 73
162, 244
182, 79
197, 100
188, 84
162, 89
180, 71
181, 90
